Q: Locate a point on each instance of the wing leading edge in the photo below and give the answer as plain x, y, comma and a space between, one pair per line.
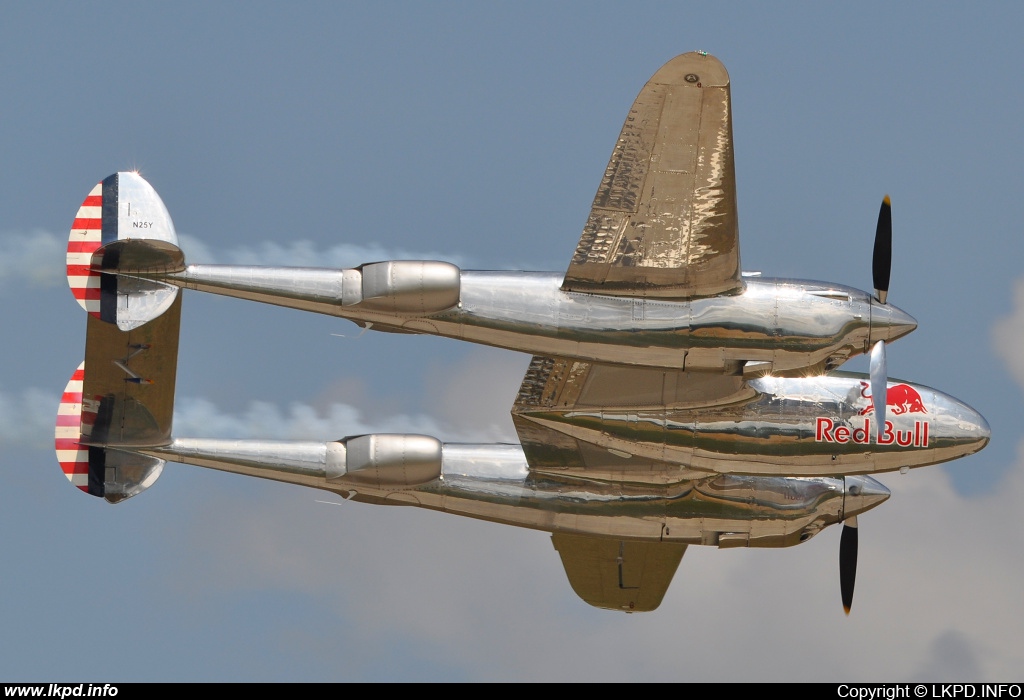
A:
663, 222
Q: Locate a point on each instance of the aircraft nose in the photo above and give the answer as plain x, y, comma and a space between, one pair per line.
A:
983, 428
890, 322
974, 428
862, 494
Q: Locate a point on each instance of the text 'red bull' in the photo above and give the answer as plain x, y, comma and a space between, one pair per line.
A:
827, 430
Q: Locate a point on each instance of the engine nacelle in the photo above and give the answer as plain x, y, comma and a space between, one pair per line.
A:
384, 460
405, 286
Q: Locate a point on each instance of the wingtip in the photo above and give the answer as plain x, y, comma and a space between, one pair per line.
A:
693, 68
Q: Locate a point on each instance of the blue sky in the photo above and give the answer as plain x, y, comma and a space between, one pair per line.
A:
329, 133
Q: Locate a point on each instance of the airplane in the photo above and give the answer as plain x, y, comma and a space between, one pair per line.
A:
672, 399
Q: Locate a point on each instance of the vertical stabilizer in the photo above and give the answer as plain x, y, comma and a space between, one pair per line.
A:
121, 398
122, 226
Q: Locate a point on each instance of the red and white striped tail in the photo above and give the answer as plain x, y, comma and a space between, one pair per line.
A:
86, 237
122, 219
73, 457
81, 438
121, 241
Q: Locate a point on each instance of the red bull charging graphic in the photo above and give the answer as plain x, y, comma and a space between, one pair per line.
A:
900, 399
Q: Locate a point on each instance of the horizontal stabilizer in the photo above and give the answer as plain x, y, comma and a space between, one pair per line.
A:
122, 227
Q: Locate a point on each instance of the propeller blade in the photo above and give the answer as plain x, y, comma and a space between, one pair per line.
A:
881, 259
848, 562
879, 386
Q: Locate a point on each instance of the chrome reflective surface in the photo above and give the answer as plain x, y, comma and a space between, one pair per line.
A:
139, 210
119, 211
663, 222
811, 426
889, 322
776, 325
494, 482
862, 494
409, 286
398, 461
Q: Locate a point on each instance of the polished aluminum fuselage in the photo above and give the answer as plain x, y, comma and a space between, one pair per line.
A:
495, 483
796, 426
773, 325
802, 423
783, 323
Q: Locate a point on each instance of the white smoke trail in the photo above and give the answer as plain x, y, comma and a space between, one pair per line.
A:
1008, 335
36, 257
199, 417
27, 419
302, 254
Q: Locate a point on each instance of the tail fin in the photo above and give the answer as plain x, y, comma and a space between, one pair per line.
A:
122, 396
121, 227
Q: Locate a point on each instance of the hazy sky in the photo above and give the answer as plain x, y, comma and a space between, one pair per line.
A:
333, 134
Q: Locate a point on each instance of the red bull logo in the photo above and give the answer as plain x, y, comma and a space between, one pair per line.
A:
829, 430
900, 399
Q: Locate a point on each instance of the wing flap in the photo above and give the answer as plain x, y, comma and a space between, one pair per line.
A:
557, 383
663, 222
618, 574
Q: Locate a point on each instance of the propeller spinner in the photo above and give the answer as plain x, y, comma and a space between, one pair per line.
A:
862, 494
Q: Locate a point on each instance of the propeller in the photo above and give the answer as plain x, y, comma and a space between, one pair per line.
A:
848, 562
881, 259
881, 266
879, 378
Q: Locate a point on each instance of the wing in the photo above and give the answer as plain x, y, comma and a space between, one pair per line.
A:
610, 419
618, 574
663, 222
